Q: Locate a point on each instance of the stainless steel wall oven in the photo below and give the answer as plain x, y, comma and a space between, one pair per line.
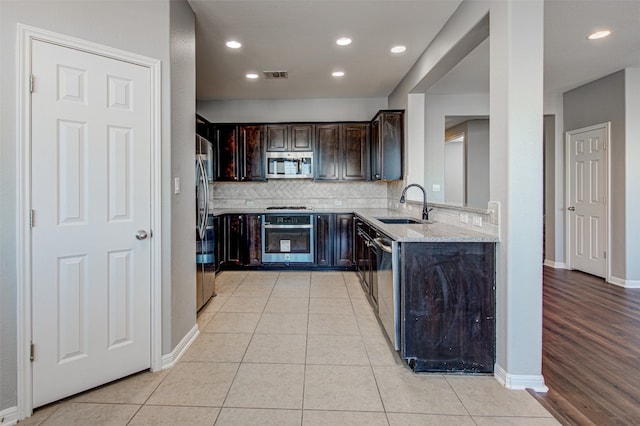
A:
287, 238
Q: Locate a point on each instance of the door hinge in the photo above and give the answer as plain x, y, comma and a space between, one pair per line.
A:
32, 218
32, 352
31, 83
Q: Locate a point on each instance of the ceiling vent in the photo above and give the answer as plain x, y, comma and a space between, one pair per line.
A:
276, 75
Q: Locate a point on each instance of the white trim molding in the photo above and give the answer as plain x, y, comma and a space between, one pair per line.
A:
172, 358
624, 283
519, 381
9, 416
555, 265
25, 37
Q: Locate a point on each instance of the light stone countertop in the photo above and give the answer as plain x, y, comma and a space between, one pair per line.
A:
424, 232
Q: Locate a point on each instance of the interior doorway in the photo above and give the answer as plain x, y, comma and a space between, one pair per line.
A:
88, 121
587, 199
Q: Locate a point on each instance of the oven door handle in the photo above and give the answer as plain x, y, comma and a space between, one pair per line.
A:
288, 226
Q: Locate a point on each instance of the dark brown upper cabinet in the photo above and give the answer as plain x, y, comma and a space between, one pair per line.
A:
238, 152
342, 151
327, 154
252, 153
289, 137
387, 140
355, 151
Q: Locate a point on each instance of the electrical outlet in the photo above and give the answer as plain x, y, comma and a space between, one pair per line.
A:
435, 187
464, 218
250, 203
338, 202
477, 221
176, 185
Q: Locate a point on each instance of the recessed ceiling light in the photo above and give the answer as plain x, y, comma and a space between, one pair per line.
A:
343, 41
338, 73
599, 34
398, 49
252, 76
234, 44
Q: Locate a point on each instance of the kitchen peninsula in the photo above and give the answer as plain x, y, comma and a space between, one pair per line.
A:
431, 283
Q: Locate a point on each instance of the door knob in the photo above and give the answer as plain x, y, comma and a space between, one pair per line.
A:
141, 234
571, 209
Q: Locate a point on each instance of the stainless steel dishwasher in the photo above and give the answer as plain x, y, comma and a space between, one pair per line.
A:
389, 286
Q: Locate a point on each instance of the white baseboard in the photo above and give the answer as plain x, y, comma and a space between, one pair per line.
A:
519, 381
553, 264
171, 359
9, 416
624, 283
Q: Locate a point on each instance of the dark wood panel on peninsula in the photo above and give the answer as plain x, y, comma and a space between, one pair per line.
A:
448, 306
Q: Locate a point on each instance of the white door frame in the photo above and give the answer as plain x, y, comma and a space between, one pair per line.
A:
26, 35
567, 193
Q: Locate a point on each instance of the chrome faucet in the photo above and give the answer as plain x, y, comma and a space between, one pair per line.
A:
425, 210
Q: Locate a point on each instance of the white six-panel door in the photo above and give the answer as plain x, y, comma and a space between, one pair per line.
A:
91, 204
587, 199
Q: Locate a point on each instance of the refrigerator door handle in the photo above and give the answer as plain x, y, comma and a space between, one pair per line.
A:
205, 186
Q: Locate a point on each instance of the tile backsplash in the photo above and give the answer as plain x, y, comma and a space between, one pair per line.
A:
303, 192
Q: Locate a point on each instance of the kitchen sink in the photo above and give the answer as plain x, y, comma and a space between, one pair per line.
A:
400, 220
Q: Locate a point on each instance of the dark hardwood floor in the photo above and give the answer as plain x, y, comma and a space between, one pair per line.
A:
591, 349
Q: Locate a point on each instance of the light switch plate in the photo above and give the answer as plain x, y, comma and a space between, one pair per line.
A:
464, 218
477, 221
176, 185
436, 187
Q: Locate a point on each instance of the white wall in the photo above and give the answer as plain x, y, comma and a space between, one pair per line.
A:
516, 95
414, 142
632, 175
477, 163
554, 181
291, 110
436, 109
183, 211
454, 173
516, 124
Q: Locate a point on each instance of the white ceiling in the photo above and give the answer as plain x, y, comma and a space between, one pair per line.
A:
299, 36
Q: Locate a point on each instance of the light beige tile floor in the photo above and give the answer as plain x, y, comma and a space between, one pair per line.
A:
293, 348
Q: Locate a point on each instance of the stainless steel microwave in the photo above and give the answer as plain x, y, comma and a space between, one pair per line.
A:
290, 165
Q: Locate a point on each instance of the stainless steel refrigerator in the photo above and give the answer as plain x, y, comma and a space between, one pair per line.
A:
205, 254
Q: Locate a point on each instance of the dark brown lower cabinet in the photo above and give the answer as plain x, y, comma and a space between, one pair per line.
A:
234, 232
343, 243
254, 240
239, 241
323, 240
448, 306
243, 242
219, 243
